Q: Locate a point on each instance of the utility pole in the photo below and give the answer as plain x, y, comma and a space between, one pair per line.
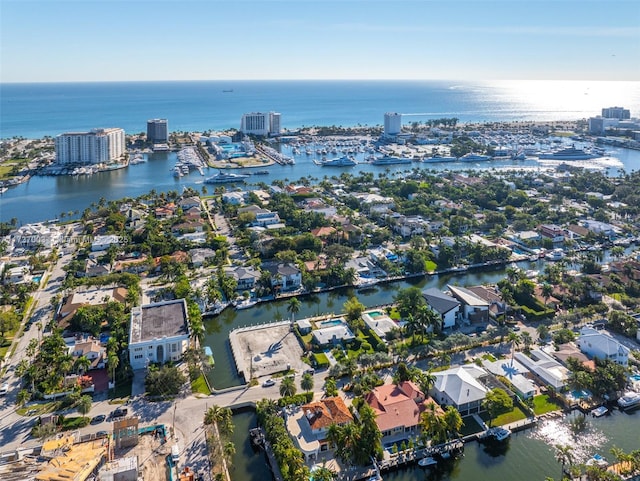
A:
175, 405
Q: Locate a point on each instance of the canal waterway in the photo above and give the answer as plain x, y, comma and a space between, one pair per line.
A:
526, 456
43, 198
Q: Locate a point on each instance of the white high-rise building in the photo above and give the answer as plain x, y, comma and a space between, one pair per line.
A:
619, 113
261, 123
93, 147
392, 124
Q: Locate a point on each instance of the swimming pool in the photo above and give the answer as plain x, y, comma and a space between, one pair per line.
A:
374, 314
635, 377
580, 394
36, 279
330, 323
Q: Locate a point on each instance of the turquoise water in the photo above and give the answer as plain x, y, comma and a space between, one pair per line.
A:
331, 323
37, 278
374, 314
636, 377
580, 394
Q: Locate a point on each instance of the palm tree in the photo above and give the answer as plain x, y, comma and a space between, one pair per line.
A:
426, 381
84, 404
514, 339
547, 290
229, 449
527, 340
564, 455
82, 364
293, 307
306, 383
453, 420
287, 387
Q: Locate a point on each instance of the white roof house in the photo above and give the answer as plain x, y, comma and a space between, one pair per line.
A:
333, 334
600, 344
515, 373
544, 367
460, 387
103, 242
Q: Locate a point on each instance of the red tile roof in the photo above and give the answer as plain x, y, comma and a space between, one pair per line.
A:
324, 413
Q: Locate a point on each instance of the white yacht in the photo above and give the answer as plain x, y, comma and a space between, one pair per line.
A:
629, 400
344, 161
473, 157
439, 158
570, 153
390, 160
225, 178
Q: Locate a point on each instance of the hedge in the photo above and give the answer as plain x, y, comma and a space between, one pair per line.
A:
297, 399
320, 360
536, 315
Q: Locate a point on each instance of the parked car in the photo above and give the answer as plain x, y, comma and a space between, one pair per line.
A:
119, 413
269, 383
310, 371
4, 389
98, 419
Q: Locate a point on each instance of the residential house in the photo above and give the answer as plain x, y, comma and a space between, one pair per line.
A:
461, 387
497, 306
235, 198
285, 276
600, 228
95, 296
17, 275
92, 350
309, 424
93, 269
201, 255
398, 409
189, 202
553, 232
103, 242
365, 267
516, 373
165, 211
132, 265
544, 368
186, 227
158, 333
602, 345
446, 307
375, 202
36, 235
245, 277
332, 335
474, 308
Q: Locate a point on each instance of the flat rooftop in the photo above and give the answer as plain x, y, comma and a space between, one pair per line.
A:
155, 321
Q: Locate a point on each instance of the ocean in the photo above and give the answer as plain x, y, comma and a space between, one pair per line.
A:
38, 109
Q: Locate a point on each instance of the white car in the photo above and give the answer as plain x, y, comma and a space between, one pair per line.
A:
269, 383
4, 389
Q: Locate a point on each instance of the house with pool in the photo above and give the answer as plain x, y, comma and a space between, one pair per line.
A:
379, 323
331, 332
461, 387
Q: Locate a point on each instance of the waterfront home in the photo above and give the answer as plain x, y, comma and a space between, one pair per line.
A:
365, 267
474, 308
103, 242
601, 345
461, 387
398, 409
491, 294
446, 307
544, 368
304, 326
515, 372
36, 235
245, 277
601, 228
235, 198
379, 323
528, 238
575, 232
285, 276
336, 332
553, 232
308, 425
158, 333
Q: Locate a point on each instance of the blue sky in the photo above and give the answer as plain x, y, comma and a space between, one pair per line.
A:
94, 40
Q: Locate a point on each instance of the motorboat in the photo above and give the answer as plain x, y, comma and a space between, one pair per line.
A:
597, 460
225, 178
629, 400
344, 161
390, 160
246, 304
555, 255
600, 411
473, 157
499, 433
427, 461
570, 153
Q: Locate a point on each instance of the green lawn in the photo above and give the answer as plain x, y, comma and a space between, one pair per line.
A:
40, 408
516, 414
200, 386
543, 404
431, 266
121, 393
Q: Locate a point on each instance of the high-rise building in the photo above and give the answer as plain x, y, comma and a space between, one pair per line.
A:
93, 147
157, 131
392, 124
619, 113
261, 123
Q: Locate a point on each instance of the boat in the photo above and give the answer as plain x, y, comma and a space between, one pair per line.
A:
473, 157
427, 461
570, 153
177, 172
390, 160
225, 178
629, 400
257, 437
600, 411
556, 255
498, 433
439, 158
245, 304
261, 172
343, 161
227, 91
209, 355
366, 283
597, 460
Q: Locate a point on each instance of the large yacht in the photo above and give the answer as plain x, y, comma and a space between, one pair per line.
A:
225, 178
390, 160
344, 161
439, 158
473, 157
570, 153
